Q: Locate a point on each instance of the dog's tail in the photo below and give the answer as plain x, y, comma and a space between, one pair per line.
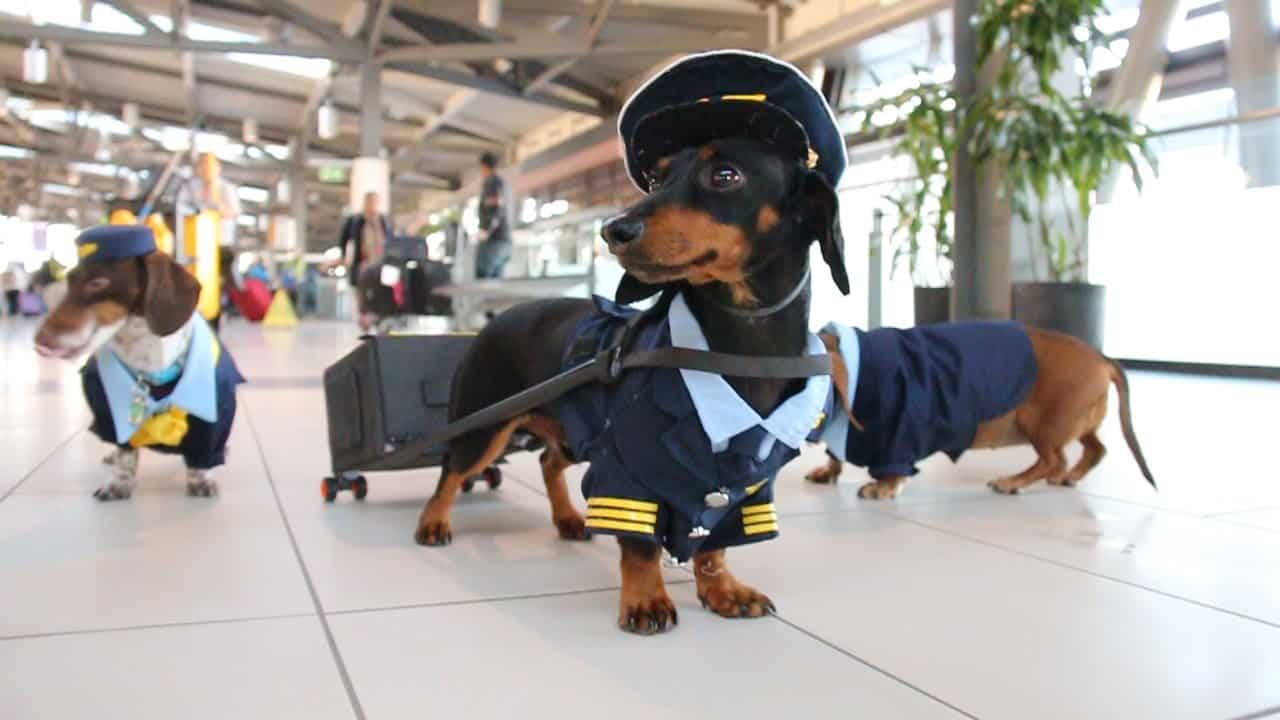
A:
1121, 381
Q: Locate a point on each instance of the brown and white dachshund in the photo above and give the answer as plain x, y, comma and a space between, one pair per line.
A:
141, 311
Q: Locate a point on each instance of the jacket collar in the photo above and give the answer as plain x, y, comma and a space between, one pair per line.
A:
723, 413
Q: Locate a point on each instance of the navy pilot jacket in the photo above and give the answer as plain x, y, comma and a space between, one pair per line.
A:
677, 457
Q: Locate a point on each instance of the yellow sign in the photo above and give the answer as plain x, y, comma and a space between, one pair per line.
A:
281, 313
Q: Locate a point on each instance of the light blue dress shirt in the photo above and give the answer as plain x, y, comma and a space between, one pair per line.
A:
196, 391
724, 414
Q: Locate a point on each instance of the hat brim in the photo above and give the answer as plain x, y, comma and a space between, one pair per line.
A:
667, 131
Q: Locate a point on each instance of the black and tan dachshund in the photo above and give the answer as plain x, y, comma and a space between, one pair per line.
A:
731, 223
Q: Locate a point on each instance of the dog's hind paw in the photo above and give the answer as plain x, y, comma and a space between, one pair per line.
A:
1005, 486
434, 533
822, 476
112, 491
572, 528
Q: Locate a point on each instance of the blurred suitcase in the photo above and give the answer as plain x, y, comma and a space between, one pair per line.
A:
252, 301
390, 390
30, 304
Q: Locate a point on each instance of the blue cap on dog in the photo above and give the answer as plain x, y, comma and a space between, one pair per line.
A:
730, 93
115, 242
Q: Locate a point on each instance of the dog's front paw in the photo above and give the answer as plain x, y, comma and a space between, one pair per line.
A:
114, 491
1005, 486
647, 613
572, 527
202, 488
878, 491
733, 599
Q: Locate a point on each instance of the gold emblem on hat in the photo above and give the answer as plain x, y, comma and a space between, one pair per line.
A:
88, 249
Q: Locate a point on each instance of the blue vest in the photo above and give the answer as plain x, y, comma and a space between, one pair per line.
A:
654, 473
926, 389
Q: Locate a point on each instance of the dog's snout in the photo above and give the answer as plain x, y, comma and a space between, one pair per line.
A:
623, 230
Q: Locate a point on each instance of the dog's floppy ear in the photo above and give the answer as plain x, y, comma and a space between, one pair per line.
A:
632, 290
822, 211
171, 294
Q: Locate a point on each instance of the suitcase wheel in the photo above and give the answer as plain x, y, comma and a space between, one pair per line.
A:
360, 487
493, 476
329, 489
468, 485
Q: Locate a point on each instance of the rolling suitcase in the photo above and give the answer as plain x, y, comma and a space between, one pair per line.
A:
253, 301
390, 391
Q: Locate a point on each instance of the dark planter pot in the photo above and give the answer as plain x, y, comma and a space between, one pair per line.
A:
933, 305
1076, 309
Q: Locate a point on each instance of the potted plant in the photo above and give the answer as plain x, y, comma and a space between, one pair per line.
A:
927, 137
1053, 150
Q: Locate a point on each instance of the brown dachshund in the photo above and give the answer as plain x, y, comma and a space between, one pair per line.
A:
951, 387
728, 225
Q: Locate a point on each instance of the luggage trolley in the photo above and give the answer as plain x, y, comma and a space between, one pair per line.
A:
390, 392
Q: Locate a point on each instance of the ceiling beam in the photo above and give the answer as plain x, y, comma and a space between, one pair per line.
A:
295, 15
484, 51
493, 86
593, 34
751, 18
127, 8
75, 36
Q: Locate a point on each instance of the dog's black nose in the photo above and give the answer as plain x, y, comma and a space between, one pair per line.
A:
623, 230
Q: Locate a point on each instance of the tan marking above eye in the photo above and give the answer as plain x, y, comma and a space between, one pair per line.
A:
108, 312
766, 218
664, 163
706, 152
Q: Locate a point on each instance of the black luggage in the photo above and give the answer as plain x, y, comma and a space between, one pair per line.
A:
389, 391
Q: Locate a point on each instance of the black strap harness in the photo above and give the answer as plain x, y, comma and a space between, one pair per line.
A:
607, 366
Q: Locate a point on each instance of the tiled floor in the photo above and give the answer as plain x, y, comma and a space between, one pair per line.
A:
1110, 601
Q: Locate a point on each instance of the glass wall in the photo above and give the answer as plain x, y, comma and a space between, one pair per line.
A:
1188, 263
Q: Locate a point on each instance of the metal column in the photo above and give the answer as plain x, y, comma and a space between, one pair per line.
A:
982, 218
1253, 67
370, 110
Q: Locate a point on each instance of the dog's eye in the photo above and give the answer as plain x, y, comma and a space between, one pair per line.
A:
96, 285
724, 177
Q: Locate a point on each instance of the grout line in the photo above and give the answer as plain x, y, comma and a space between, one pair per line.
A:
40, 464
871, 666
482, 601
153, 626
306, 575
1085, 571
1266, 712
1219, 515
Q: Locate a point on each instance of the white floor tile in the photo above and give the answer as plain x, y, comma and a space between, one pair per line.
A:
1225, 566
1268, 519
266, 669
69, 562
560, 656
1001, 635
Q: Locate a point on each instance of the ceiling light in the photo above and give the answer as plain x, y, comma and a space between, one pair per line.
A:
130, 115
249, 131
35, 64
327, 121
